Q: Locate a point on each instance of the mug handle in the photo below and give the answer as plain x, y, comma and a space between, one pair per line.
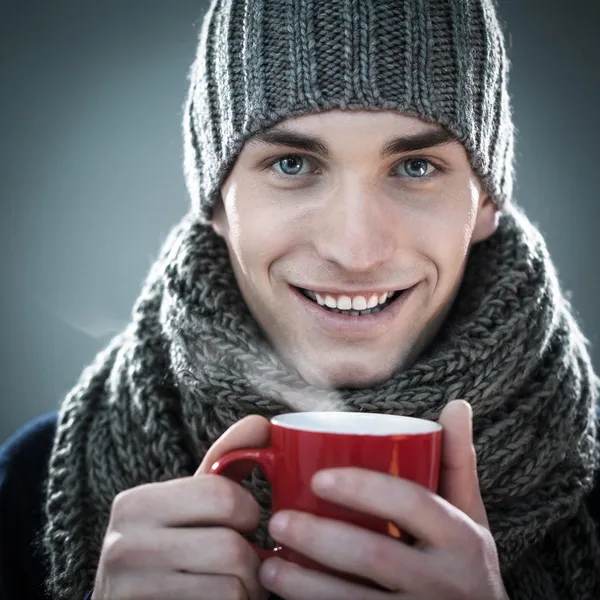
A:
239, 464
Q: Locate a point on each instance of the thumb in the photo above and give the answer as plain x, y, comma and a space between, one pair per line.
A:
459, 482
252, 431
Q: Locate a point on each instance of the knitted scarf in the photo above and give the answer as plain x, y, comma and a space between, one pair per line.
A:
193, 361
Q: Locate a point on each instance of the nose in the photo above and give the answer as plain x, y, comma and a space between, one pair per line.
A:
356, 228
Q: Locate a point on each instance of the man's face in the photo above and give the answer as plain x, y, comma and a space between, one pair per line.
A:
348, 233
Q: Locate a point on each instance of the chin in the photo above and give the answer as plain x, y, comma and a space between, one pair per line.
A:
349, 375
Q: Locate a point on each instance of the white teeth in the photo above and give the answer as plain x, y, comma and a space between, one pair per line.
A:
330, 302
373, 301
359, 303
350, 303
344, 303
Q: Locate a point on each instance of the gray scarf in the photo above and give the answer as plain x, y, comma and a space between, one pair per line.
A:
193, 361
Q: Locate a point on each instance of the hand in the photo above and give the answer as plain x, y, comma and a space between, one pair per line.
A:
182, 538
455, 556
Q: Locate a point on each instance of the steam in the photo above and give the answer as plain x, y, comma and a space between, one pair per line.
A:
294, 393
261, 370
305, 399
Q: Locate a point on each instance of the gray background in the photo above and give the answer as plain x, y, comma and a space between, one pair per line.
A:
91, 181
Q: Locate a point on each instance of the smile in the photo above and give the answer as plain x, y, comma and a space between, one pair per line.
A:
354, 306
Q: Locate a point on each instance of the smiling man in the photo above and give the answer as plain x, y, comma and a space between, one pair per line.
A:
369, 218
352, 244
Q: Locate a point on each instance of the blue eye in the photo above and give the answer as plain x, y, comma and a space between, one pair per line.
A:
291, 165
417, 168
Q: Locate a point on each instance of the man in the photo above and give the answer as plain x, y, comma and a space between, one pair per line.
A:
352, 244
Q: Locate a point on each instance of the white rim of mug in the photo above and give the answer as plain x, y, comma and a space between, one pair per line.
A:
355, 423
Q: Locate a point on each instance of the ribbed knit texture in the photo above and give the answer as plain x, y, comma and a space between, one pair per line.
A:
193, 362
261, 61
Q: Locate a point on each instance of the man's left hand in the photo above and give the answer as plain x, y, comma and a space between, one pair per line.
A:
454, 557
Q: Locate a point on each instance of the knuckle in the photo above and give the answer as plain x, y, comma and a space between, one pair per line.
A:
225, 496
236, 549
381, 563
116, 551
234, 590
479, 542
235, 504
461, 589
453, 584
479, 555
415, 501
123, 507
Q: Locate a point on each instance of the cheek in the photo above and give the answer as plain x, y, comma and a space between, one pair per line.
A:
259, 236
443, 230
458, 217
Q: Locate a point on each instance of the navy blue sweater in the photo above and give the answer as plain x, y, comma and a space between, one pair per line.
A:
23, 471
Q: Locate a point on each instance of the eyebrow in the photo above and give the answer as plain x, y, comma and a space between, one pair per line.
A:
317, 145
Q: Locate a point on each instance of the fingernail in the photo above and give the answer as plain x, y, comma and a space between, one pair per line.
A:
268, 571
324, 480
279, 523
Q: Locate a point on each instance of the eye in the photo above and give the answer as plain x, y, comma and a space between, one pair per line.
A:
417, 168
291, 165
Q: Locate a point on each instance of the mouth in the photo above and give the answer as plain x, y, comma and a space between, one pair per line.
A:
374, 303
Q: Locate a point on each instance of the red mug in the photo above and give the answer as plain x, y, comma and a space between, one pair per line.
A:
306, 442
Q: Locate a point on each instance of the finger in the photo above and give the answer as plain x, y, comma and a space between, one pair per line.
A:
180, 586
252, 431
459, 482
293, 582
411, 507
201, 501
211, 551
353, 550
208, 551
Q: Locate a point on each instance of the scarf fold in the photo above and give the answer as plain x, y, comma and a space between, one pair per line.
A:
193, 361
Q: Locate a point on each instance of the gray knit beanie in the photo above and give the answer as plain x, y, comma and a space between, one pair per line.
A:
262, 61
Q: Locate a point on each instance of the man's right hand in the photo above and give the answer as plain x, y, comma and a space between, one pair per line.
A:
183, 538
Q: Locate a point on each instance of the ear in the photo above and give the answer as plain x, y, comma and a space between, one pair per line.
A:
487, 219
219, 221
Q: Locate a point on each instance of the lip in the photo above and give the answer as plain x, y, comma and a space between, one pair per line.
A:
365, 326
351, 293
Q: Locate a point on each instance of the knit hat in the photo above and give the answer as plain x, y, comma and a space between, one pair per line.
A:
262, 61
